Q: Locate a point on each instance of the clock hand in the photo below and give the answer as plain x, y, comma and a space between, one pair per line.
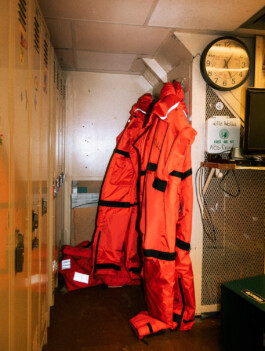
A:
226, 65
229, 59
226, 62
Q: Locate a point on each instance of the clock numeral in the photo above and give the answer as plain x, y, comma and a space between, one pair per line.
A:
210, 73
216, 80
208, 63
241, 74
224, 83
243, 64
233, 81
211, 54
227, 44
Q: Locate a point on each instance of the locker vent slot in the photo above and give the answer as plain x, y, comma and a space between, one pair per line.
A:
22, 13
46, 53
36, 35
58, 80
64, 92
61, 90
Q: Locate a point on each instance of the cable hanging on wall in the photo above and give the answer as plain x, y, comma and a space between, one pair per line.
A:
236, 181
206, 217
207, 221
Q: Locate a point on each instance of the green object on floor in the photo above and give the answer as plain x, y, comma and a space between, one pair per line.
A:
243, 314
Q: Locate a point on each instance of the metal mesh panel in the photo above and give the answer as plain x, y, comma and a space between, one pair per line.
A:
238, 251
211, 100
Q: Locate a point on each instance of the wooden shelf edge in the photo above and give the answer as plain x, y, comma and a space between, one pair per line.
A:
230, 166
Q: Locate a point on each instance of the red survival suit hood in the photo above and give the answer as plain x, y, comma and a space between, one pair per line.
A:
139, 110
171, 96
144, 101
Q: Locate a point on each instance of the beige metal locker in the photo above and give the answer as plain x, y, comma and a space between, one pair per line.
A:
60, 161
20, 214
29, 165
5, 273
34, 71
51, 267
44, 137
55, 170
58, 134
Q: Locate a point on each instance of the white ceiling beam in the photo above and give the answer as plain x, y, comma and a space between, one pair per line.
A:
156, 69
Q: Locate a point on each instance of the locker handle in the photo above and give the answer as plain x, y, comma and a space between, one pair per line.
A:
44, 206
35, 243
35, 220
19, 252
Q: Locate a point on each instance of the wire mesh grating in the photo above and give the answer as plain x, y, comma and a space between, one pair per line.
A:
238, 251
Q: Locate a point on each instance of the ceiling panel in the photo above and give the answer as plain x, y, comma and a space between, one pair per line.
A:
223, 15
61, 33
137, 27
66, 58
121, 11
118, 38
87, 60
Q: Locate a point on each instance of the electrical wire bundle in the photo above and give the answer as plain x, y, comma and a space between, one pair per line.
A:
207, 221
236, 181
206, 217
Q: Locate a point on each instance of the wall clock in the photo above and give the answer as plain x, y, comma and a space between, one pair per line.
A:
225, 63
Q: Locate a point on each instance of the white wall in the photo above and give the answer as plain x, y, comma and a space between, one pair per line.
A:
97, 108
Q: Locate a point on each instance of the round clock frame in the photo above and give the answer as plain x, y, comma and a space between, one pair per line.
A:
225, 63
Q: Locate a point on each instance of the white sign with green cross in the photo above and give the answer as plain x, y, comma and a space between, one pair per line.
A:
222, 134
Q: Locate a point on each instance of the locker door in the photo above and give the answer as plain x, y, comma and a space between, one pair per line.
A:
4, 179
60, 155
56, 134
34, 21
51, 182
63, 157
20, 219
44, 91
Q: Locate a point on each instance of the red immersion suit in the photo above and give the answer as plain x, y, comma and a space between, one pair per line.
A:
115, 242
166, 210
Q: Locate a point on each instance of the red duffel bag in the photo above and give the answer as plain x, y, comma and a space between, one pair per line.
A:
76, 266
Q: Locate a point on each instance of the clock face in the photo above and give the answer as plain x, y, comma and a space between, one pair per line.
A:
225, 63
